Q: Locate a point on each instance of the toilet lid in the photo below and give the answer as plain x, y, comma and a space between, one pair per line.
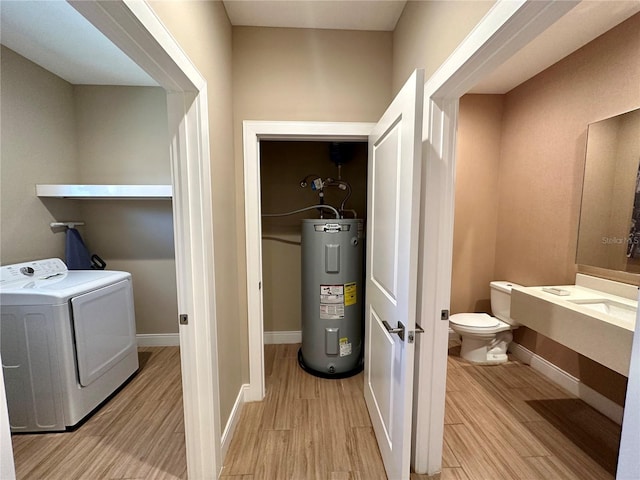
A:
478, 320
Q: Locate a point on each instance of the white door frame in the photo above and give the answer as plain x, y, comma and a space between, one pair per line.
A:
135, 29
506, 28
253, 132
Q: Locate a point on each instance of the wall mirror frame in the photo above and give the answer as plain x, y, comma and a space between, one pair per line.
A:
609, 230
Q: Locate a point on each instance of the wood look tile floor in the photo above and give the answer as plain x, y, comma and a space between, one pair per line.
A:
509, 422
502, 423
138, 434
306, 427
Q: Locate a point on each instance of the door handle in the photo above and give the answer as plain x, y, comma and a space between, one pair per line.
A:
412, 335
398, 330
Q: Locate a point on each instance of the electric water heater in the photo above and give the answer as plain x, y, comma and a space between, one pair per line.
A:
332, 297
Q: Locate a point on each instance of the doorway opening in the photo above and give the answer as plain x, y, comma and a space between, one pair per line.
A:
282, 143
296, 175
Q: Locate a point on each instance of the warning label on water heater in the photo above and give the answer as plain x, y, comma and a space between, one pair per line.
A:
331, 302
350, 297
345, 347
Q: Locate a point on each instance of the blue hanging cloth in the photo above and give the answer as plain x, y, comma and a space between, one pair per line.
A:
76, 253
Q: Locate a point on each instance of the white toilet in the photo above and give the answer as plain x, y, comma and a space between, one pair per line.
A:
485, 339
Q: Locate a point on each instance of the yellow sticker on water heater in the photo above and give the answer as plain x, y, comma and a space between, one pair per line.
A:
350, 294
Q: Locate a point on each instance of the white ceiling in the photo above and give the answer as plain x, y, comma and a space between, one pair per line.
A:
56, 37
328, 14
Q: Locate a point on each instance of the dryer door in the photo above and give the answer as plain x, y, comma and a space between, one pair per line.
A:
105, 332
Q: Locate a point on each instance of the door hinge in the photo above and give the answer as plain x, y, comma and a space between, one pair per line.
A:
444, 315
184, 319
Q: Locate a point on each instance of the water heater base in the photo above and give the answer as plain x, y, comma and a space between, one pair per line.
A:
320, 374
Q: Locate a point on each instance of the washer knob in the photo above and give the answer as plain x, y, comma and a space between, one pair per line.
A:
29, 271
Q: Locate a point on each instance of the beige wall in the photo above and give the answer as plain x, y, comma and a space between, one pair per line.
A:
55, 132
122, 138
476, 202
429, 31
37, 146
303, 74
203, 31
122, 134
283, 166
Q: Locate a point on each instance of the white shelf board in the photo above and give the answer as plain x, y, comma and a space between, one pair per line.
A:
105, 191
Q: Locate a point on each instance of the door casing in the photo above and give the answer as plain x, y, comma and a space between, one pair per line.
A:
134, 27
253, 133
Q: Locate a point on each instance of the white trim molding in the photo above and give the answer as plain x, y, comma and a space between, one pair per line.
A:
283, 337
234, 418
158, 339
568, 382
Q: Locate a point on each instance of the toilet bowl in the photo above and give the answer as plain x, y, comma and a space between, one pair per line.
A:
485, 339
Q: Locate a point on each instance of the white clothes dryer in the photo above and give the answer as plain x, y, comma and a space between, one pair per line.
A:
67, 341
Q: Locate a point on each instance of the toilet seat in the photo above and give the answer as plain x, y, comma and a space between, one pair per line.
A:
477, 323
478, 320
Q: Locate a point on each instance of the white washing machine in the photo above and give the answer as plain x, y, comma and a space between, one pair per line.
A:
67, 341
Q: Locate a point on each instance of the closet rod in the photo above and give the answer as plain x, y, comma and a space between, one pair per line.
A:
65, 224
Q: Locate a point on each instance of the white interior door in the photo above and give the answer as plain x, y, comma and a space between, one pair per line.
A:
395, 146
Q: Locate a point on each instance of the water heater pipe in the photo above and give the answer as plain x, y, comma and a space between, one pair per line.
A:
328, 207
330, 182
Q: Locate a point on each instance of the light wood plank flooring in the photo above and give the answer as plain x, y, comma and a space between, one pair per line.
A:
138, 434
502, 422
509, 422
306, 428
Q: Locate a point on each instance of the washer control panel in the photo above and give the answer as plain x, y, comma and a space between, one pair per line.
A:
37, 269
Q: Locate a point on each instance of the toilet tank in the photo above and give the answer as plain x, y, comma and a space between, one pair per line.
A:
501, 300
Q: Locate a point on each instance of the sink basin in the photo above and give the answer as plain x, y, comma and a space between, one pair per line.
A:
592, 317
609, 307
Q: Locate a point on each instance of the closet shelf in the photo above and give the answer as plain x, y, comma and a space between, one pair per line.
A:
105, 191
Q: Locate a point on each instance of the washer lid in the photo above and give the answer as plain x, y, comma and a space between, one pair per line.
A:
58, 288
477, 320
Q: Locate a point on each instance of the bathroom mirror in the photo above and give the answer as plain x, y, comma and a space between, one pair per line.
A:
609, 232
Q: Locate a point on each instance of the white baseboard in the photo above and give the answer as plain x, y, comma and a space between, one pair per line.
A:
570, 383
232, 423
271, 338
158, 339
